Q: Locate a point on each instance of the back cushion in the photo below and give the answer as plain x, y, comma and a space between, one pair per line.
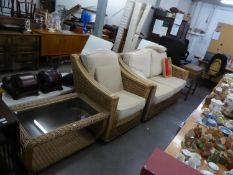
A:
110, 77
157, 48
156, 62
100, 58
139, 61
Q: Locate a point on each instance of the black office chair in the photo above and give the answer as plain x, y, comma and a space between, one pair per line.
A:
177, 49
184, 59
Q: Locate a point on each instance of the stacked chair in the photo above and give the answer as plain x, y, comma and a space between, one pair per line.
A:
100, 76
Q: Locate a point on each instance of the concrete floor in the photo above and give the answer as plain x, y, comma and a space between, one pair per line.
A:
127, 154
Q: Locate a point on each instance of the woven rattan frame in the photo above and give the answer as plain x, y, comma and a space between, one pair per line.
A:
151, 108
86, 84
45, 150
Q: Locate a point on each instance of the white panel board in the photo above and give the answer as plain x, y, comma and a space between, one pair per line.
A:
136, 16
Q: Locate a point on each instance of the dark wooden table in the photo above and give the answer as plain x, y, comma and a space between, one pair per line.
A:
194, 75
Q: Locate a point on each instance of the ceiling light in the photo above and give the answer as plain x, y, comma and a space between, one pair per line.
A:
228, 2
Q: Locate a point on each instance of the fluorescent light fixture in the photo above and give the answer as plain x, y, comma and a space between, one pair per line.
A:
228, 2
40, 126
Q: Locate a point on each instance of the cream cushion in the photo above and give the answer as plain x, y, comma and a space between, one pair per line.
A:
162, 92
148, 44
110, 77
140, 74
175, 83
139, 61
156, 62
100, 58
84, 54
158, 48
128, 104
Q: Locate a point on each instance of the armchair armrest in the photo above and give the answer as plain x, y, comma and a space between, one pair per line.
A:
86, 84
134, 83
179, 72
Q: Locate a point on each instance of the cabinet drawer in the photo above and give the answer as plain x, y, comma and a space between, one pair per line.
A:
3, 40
24, 57
25, 43
25, 60
5, 62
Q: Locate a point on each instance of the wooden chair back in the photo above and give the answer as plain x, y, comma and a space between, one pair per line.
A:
7, 7
25, 8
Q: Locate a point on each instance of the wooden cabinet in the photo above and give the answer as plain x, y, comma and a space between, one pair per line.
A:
4, 53
167, 22
18, 50
61, 43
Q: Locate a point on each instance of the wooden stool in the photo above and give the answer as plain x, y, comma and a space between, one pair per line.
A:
194, 75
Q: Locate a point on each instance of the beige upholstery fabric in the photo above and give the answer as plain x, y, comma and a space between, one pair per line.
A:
128, 104
84, 54
110, 77
100, 58
156, 62
162, 93
140, 74
139, 61
175, 83
157, 47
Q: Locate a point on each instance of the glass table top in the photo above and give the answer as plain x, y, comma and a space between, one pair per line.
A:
45, 119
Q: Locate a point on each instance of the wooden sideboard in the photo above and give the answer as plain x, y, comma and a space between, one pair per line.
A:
18, 50
10, 144
60, 42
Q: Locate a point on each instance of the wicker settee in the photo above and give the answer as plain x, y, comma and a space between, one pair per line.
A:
115, 102
166, 90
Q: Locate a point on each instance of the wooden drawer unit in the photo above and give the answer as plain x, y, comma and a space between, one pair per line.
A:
25, 60
5, 62
61, 43
18, 50
4, 53
25, 43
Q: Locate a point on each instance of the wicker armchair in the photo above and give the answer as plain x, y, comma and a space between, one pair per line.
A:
86, 84
155, 105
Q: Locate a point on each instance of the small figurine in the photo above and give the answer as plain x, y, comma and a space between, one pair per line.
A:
197, 131
28, 25
214, 157
215, 105
228, 142
214, 132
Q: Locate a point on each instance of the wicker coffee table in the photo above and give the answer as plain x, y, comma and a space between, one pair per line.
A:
54, 128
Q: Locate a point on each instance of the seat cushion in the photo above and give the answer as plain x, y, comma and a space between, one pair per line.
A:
100, 58
175, 83
156, 62
139, 61
110, 77
128, 104
163, 92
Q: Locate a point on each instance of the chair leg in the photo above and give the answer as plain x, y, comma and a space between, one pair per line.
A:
195, 86
189, 89
12, 8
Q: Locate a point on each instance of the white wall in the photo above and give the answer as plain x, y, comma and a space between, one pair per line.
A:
115, 7
167, 4
184, 5
207, 17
